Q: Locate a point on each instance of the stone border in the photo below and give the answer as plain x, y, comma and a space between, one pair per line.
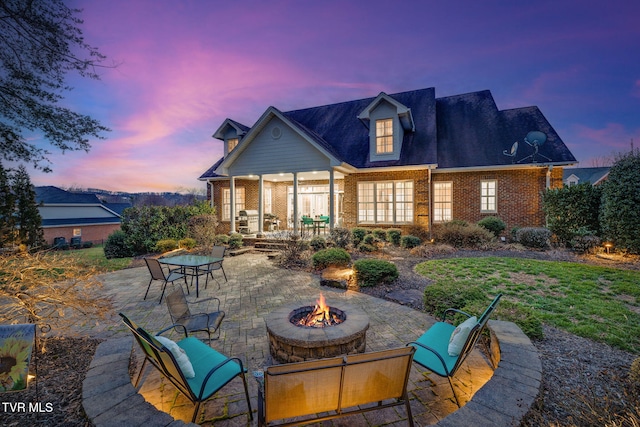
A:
512, 389
109, 398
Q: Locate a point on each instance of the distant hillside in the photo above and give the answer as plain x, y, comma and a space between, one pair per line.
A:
141, 199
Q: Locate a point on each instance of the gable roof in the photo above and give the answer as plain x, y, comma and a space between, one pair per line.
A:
461, 131
592, 175
50, 195
73, 209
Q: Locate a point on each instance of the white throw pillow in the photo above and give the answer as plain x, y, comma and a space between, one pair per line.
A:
180, 355
459, 336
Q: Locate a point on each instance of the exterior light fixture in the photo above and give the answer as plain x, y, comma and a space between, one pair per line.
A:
608, 246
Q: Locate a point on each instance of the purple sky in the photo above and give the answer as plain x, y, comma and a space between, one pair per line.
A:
185, 66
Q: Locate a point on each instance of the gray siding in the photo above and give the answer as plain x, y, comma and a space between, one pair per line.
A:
288, 153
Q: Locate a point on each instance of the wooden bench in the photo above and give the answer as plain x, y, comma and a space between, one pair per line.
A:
211, 370
432, 346
319, 390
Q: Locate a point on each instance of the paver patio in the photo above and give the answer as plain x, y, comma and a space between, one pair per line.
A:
254, 289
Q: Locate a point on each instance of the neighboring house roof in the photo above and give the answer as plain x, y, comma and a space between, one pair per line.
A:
117, 207
461, 131
63, 208
53, 195
581, 175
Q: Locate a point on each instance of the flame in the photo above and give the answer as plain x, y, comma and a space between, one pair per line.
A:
320, 316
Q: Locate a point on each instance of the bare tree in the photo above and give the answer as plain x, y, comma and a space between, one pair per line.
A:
40, 42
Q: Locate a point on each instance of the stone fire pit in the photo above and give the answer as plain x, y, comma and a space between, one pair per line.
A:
291, 343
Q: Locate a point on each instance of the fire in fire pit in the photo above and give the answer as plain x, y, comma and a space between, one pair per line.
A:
319, 316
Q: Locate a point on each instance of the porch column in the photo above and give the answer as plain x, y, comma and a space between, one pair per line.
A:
232, 201
260, 204
332, 200
295, 203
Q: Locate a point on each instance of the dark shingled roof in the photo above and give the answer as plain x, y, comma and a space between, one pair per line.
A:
591, 175
460, 131
50, 195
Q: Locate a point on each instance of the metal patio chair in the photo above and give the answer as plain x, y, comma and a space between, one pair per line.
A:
194, 322
158, 273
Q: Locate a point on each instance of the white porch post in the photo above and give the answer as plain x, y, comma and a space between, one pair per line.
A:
260, 204
332, 197
232, 201
295, 203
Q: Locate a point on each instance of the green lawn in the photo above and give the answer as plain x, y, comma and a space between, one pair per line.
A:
599, 303
94, 257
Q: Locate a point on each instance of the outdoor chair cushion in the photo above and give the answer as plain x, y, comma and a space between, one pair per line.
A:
459, 336
436, 337
203, 358
179, 354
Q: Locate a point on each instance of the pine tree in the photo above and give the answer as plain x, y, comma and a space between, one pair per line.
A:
28, 217
7, 208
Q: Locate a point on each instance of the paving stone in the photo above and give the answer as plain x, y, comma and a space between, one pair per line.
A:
254, 289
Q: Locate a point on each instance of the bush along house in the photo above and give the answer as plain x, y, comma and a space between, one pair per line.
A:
396, 160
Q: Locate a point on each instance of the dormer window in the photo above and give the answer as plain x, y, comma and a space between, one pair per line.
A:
231, 143
388, 121
384, 136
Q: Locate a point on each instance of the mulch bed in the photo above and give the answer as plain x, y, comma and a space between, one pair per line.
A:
60, 372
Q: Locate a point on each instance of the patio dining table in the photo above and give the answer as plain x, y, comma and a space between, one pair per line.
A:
191, 265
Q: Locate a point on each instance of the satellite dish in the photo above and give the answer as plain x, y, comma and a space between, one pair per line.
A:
536, 138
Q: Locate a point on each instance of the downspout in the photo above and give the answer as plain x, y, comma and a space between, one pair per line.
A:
430, 197
549, 170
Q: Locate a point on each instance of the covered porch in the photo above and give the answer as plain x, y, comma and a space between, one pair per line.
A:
280, 200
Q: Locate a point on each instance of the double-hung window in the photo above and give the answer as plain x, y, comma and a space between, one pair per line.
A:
488, 196
231, 144
226, 202
384, 136
442, 201
387, 202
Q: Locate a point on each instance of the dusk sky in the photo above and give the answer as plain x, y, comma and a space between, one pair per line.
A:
185, 66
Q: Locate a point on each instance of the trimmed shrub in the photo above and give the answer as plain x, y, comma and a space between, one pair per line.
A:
584, 241
116, 246
620, 215
371, 272
221, 239
369, 239
332, 257
187, 243
235, 241
393, 236
568, 209
409, 241
358, 234
365, 247
419, 231
166, 245
460, 234
493, 224
534, 237
317, 243
379, 234
340, 237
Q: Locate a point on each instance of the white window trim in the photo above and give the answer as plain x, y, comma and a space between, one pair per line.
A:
384, 136
394, 202
485, 199
449, 202
226, 207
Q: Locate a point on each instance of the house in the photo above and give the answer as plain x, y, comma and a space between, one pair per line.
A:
595, 176
401, 160
66, 214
